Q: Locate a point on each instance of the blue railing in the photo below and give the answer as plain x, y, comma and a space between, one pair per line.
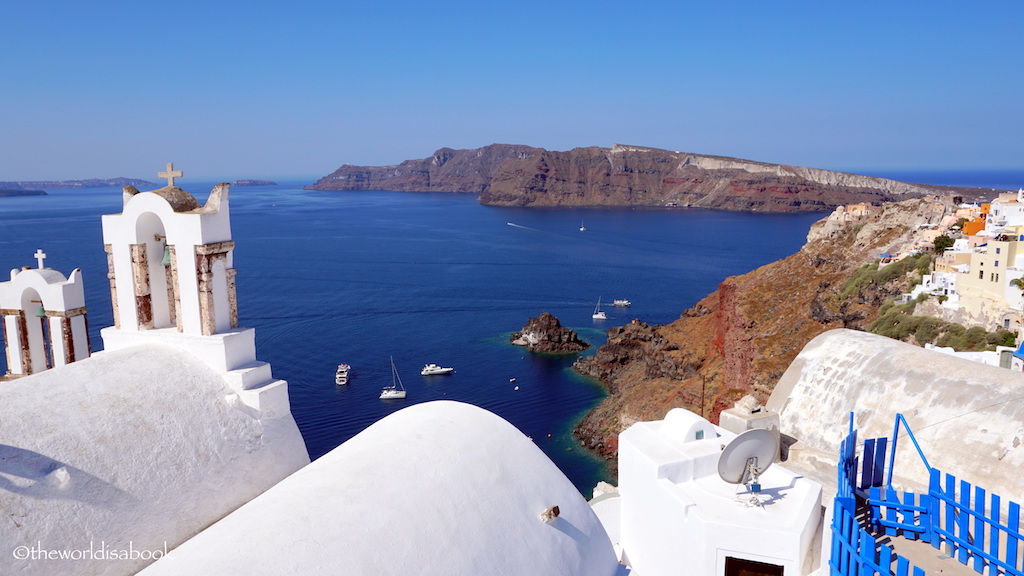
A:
975, 526
978, 531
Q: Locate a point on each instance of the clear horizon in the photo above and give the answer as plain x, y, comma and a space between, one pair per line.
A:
257, 89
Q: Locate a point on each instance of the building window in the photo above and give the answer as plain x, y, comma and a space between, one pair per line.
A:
700, 433
740, 567
981, 274
997, 252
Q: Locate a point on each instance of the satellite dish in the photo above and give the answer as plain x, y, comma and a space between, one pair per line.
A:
747, 457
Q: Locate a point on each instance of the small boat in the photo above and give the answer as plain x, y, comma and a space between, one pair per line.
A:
621, 302
396, 390
598, 313
582, 227
341, 376
434, 369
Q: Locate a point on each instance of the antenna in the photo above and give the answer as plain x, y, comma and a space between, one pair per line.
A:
747, 457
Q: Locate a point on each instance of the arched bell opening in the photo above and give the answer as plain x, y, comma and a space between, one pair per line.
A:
153, 274
221, 302
33, 333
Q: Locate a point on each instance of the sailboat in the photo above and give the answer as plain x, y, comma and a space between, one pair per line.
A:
598, 313
396, 390
582, 227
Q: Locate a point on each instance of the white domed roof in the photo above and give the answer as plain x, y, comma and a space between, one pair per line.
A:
438, 488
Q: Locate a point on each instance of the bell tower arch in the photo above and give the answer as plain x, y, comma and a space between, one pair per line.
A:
43, 316
170, 261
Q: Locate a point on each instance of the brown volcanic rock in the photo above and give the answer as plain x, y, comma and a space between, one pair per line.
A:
447, 170
741, 338
546, 334
510, 175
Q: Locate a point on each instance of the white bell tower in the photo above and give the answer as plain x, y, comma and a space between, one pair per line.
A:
44, 319
169, 261
172, 281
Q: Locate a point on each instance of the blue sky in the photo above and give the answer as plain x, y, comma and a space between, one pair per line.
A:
252, 89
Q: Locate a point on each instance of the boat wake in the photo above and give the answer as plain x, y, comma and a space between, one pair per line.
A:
523, 227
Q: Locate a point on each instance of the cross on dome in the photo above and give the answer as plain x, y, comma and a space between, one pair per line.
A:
40, 256
170, 174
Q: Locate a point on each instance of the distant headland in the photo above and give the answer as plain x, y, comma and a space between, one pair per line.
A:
630, 176
7, 193
37, 185
254, 183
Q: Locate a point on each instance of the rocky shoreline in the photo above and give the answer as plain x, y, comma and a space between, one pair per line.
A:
740, 339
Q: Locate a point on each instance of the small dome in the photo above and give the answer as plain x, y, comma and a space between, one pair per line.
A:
179, 200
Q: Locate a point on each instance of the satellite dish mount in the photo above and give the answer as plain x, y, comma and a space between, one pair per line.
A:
746, 458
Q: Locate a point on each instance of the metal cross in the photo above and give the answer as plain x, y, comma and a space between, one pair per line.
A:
171, 174
40, 257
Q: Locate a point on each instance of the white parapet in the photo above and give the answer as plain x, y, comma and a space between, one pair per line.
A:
222, 352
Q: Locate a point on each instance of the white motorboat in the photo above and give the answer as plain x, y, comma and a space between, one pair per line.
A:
621, 302
598, 313
434, 369
396, 391
341, 376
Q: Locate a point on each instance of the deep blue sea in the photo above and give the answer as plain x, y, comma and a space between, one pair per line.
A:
359, 277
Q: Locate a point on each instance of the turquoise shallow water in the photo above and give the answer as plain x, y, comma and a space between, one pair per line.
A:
357, 277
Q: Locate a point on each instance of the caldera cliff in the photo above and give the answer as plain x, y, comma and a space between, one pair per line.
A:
633, 176
741, 338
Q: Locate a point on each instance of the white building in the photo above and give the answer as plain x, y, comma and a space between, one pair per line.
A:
941, 284
1006, 210
678, 515
174, 425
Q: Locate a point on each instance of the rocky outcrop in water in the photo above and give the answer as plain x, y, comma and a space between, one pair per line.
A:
635, 176
741, 338
546, 334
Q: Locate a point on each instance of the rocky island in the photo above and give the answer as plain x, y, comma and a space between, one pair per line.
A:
75, 184
546, 334
629, 176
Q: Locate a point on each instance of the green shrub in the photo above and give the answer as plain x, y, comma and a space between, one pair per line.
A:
898, 323
927, 329
871, 274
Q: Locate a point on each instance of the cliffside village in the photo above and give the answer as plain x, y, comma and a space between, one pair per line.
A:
979, 280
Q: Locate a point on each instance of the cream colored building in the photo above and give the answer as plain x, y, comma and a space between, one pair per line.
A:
994, 257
